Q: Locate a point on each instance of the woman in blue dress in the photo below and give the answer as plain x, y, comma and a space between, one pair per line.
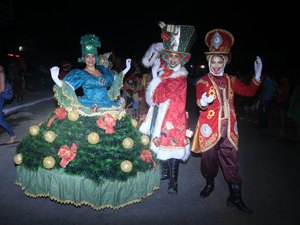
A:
101, 87
79, 154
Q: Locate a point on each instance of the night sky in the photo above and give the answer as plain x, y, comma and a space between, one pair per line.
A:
56, 28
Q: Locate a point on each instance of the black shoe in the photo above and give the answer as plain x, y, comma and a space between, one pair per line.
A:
172, 189
173, 169
165, 171
239, 204
207, 190
235, 198
164, 176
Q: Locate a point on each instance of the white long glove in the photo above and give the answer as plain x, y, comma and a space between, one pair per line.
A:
158, 46
258, 68
156, 68
204, 101
54, 74
152, 54
128, 66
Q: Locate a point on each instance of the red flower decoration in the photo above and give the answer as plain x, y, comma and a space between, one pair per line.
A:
107, 122
165, 36
147, 157
67, 154
60, 113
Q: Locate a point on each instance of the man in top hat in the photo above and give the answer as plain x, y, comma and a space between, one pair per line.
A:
166, 121
216, 134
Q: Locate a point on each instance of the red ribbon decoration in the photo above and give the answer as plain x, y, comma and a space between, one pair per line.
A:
67, 154
107, 122
147, 157
60, 113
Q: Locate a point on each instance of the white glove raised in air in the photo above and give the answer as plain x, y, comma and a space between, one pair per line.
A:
54, 74
156, 68
128, 66
204, 101
158, 46
258, 68
152, 54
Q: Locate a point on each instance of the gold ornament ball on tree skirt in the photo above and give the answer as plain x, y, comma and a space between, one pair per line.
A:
134, 122
73, 115
49, 162
18, 158
128, 143
126, 166
34, 130
49, 136
145, 139
93, 138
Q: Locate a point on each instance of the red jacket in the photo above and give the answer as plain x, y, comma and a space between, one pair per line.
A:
207, 132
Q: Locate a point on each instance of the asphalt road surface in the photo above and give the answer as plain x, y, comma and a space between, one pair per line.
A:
268, 166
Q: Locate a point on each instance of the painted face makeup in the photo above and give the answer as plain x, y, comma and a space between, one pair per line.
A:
174, 60
217, 65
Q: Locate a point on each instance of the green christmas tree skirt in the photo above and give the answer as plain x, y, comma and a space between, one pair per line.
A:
78, 190
89, 157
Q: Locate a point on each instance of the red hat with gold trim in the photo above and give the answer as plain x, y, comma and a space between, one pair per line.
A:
219, 41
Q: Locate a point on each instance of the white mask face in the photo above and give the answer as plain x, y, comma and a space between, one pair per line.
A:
216, 64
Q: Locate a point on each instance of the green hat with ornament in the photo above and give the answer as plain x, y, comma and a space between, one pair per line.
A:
178, 39
89, 44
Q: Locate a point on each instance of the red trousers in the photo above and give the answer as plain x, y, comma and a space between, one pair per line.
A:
224, 155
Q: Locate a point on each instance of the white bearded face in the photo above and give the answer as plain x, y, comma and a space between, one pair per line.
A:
216, 64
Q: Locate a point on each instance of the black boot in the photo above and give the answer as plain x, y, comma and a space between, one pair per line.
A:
165, 172
173, 167
209, 187
235, 198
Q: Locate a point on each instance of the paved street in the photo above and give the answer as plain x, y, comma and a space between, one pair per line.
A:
268, 165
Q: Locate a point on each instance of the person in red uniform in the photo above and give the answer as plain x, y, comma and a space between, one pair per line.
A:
216, 133
167, 93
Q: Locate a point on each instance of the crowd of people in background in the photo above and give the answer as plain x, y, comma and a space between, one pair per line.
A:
275, 106
276, 102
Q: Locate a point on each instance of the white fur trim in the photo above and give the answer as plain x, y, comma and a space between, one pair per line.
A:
150, 90
162, 110
181, 72
178, 153
145, 126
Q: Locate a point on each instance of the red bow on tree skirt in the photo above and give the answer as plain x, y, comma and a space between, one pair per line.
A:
147, 157
107, 122
60, 113
67, 154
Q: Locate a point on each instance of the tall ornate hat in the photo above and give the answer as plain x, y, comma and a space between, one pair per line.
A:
219, 41
177, 38
89, 44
